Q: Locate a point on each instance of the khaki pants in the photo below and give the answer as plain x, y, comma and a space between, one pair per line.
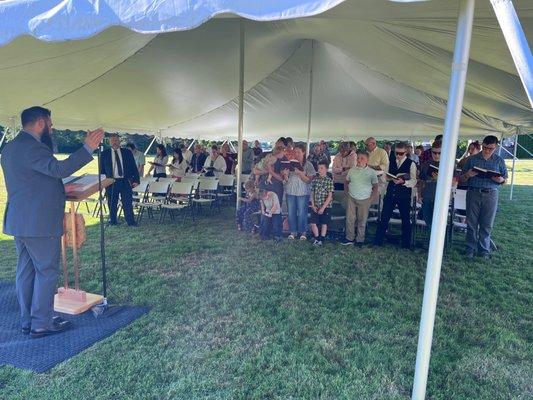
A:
356, 211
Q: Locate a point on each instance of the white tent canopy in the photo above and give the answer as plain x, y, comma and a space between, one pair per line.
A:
379, 68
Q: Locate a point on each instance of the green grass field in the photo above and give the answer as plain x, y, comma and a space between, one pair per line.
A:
236, 318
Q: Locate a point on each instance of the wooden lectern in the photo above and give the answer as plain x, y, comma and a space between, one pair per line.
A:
74, 300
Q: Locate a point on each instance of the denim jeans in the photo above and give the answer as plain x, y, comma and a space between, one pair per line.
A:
427, 212
271, 226
480, 212
298, 208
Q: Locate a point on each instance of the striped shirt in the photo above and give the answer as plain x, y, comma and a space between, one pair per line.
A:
297, 187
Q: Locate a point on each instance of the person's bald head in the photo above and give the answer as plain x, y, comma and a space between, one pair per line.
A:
371, 143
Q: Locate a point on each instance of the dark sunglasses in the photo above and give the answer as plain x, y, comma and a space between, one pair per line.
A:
400, 153
435, 152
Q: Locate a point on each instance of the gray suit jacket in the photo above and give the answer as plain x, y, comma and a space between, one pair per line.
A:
35, 191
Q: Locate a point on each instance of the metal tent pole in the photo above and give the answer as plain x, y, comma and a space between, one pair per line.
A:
190, 145
442, 202
150, 145
501, 145
241, 111
514, 162
310, 112
517, 43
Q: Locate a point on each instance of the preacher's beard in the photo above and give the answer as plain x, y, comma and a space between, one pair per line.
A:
46, 138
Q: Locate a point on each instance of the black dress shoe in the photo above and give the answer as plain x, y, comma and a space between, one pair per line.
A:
57, 320
55, 328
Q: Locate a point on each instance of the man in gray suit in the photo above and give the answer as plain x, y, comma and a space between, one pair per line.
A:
34, 215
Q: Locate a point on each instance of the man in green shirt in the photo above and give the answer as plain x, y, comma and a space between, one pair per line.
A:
362, 189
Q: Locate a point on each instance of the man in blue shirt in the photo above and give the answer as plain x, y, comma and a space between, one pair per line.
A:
482, 196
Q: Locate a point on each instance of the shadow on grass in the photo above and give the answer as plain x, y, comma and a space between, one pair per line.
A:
235, 317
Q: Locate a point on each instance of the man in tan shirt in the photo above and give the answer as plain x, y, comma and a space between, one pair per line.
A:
378, 158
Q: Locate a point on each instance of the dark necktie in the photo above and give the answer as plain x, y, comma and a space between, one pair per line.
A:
119, 165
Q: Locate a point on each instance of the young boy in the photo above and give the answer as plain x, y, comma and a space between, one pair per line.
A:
321, 198
362, 188
270, 215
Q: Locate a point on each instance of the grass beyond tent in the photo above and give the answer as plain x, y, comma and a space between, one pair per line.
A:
236, 318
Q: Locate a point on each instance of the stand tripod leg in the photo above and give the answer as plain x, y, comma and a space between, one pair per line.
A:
74, 246
64, 261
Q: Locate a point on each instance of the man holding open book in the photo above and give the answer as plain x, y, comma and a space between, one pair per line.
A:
484, 173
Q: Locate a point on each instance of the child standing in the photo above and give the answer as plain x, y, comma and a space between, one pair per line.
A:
249, 206
362, 188
270, 215
321, 199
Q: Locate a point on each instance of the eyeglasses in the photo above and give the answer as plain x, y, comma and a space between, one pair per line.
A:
488, 148
400, 153
435, 152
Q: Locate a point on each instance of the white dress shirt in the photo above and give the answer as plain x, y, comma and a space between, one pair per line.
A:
219, 164
114, 163
411, 182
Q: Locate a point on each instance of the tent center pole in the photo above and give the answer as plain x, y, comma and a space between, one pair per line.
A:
241, 112
514, 163
310, 111
442, 202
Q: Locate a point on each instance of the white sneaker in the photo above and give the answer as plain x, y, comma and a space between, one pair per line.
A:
317, 242
303, 237
290, 237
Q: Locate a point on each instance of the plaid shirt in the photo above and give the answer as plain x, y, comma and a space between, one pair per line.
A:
494, 163
321, 187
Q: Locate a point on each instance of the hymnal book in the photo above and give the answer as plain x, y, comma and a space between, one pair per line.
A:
486, 173
80, 183
403, 176
291, 165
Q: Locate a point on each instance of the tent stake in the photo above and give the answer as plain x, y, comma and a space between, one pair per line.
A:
514, 162
442, 202
241, 114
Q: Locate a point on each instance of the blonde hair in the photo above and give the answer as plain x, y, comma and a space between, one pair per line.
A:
249, 186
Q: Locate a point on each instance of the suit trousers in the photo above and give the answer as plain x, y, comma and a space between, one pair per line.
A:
404, 206
37, 273
480, 212
356, 212
123, 188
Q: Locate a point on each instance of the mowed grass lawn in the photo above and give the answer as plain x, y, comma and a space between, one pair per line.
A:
236, 318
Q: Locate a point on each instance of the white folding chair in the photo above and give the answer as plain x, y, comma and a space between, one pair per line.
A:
155, 196
168, 181
179, 198
207, 193
226, 185
147, 179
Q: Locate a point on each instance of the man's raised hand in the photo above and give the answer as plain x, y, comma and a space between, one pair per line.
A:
94, 138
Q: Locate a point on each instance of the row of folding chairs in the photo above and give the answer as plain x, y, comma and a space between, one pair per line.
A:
192, 195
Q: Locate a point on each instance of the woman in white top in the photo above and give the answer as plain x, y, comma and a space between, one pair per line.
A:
159, 165
215, 163
179, 165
